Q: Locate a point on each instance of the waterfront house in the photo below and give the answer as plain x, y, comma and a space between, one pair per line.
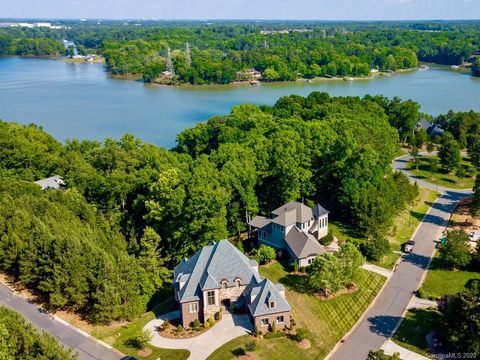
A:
219, 277
249, 75
294, 227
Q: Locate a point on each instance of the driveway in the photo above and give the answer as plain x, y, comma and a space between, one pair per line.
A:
380, 322
87, 347
200, 347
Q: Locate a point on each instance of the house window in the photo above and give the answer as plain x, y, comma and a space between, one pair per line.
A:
280, 319
211, 298
272, 304
224, 284
264, 322
237, 283
192, 308
310, 261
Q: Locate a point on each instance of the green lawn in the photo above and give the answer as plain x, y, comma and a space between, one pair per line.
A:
441, 281
327, 321
415, 326
405, 224
442, 177
117, 337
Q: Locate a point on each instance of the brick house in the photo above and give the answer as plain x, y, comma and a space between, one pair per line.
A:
295, 228
220, 278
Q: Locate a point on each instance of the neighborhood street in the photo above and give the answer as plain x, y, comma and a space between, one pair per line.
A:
382, 319
87, 348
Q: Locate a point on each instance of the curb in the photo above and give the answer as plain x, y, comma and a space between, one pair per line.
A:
361, 318
63, 322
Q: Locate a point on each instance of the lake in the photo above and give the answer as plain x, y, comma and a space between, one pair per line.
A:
77, 100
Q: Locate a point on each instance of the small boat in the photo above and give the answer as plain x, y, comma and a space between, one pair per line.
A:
423, 67
348, 79
254, 82
455, 67
309, 80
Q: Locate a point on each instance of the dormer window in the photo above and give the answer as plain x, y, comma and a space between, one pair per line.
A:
272, 304
224, 284
237, 283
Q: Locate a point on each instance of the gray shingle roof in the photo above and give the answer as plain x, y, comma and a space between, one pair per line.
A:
210, 266
291, 213
265, 291
53, 182
302, 244
319, 210
260, 222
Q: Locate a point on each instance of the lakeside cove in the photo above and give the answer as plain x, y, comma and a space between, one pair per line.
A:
72, 100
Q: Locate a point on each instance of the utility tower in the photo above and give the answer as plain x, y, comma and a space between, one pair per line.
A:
265, 44
188, 58
169, 67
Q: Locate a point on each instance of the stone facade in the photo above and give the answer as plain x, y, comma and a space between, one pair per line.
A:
224, 297
257, 321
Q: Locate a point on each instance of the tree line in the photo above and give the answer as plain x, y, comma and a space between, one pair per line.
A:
219, 51
20, 340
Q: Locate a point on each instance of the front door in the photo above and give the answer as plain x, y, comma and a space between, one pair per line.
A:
226, 304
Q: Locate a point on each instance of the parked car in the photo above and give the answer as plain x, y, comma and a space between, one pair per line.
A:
408, 246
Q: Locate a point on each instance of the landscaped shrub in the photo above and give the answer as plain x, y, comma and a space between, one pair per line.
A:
256, 332
139, 341
250, 346
295, 265
273, 335
274, 327
196, 324
292, 322
375, 249
179, 328
206, 325
327, 240
265, 254
211, 320
218, 315
302, 334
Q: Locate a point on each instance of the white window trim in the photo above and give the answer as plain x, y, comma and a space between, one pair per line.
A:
192, 308
280, 322
264, 324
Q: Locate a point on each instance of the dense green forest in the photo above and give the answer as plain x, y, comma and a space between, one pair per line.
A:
104, 246
20, 340
219, 50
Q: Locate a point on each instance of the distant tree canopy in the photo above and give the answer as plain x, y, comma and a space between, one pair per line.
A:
20, 340
217, 51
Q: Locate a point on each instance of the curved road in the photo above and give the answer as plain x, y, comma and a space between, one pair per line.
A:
381, 320
86, 347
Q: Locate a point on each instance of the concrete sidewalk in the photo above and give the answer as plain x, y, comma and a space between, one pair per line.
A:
390, 347
377, 269
200, 347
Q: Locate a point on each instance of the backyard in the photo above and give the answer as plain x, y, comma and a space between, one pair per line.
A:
424, 170
327, 321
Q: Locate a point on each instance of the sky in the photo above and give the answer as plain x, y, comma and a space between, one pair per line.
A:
243, 9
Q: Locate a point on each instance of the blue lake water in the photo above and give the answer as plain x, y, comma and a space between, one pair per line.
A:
76, 100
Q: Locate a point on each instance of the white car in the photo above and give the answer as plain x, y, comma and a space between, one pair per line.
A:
474, 236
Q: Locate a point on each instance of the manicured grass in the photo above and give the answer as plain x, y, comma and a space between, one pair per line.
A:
440, 281
415, 326
442, 177
118, 336
327, 321
405, 224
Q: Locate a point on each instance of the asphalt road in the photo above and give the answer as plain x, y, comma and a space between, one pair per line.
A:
86, 347
382, 319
